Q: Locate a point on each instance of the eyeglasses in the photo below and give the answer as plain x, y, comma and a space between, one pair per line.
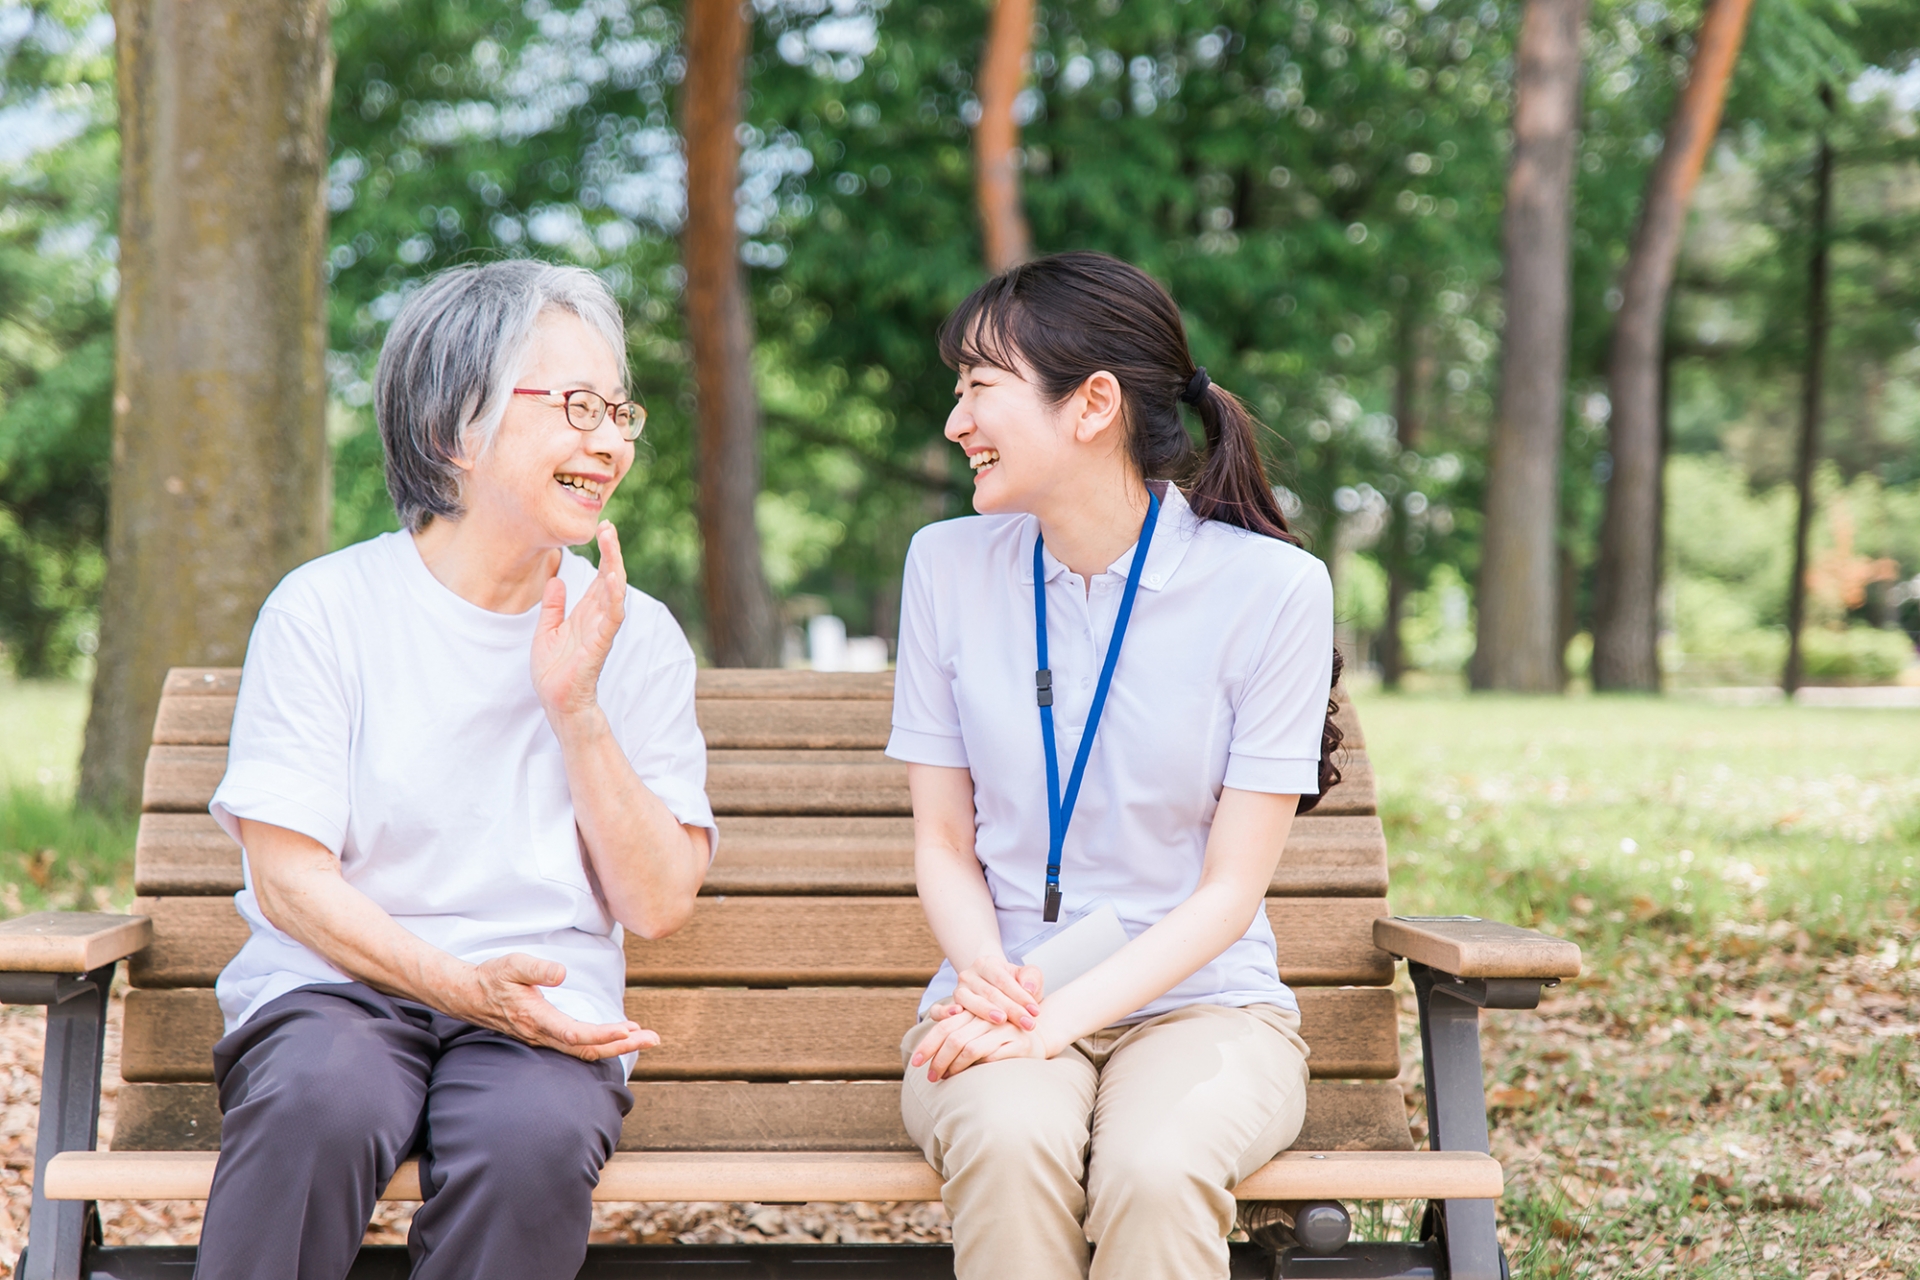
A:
586, 410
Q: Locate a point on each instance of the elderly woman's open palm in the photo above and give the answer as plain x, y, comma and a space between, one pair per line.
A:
569, 650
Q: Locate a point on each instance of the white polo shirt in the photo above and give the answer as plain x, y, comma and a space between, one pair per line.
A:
1222, 682
396, 723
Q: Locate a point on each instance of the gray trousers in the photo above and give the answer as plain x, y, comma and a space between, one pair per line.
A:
327, 1089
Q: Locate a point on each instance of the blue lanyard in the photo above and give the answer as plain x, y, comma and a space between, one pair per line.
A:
1060, 811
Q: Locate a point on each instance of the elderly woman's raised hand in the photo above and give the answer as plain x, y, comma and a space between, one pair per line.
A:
568, 650
505, 996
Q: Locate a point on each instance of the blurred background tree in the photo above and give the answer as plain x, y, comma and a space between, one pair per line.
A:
1318, 181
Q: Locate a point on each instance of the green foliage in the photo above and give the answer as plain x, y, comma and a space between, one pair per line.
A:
58, 167
1729, 559
1318, 181
1856, 655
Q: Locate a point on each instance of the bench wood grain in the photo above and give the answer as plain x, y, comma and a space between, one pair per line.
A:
733, 1033
1469, 948
182, 779
69, 941
1327, 857
764, 941
826, 1177
731, 1115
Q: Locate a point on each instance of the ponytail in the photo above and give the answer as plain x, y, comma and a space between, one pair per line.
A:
1066, 317
1232, 487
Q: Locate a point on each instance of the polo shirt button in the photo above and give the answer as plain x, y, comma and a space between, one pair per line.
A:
1153, 579
1085, 681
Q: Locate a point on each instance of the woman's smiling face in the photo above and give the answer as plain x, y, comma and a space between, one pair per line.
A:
545, 480
1013, 438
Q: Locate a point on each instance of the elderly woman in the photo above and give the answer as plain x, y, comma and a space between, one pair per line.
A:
463, 759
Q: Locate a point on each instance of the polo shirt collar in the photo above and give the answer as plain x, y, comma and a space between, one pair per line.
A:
1171, 537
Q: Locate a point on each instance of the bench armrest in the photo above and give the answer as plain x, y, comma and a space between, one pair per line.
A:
1469, 947
70, 941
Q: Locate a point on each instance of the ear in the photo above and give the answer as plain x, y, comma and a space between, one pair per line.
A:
1100, 405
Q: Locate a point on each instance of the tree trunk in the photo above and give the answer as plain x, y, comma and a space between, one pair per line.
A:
1413, 373
1514, 647
1625, 610
219, 466
996, 138
742, 625
1810, 389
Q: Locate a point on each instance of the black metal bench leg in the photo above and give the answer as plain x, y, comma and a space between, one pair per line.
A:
1457, 1112
69, 1118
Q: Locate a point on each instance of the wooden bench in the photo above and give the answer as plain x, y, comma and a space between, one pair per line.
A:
780, 1008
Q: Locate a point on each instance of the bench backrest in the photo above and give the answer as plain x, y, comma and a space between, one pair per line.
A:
781, 1004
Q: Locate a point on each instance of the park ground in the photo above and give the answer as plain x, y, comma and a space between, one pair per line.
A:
1731, 1089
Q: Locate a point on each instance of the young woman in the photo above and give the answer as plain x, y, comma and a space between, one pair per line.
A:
1112, 695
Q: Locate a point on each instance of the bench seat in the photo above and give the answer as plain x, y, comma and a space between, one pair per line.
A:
773, 1177
781, 1004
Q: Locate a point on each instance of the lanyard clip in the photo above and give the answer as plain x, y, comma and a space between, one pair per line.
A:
1053, 904
1043, 687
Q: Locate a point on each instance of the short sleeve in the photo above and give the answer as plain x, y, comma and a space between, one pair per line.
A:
656, 727
926, 719
1282, 705
287, 756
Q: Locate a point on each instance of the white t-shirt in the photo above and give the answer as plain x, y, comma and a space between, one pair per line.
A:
1222, 681
396, 724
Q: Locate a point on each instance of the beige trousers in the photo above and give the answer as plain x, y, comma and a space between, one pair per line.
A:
1127, 1146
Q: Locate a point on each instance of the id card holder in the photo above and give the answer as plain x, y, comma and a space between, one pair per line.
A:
1069, 950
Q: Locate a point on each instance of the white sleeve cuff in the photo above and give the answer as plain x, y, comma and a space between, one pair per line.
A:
916, 747
1275, 777
283, 797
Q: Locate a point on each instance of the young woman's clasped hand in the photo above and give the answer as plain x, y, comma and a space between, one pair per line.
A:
995, 1014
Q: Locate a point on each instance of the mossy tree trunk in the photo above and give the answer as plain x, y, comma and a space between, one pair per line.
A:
219, 467
1516, 635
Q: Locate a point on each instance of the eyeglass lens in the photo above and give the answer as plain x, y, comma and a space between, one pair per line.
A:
585, 409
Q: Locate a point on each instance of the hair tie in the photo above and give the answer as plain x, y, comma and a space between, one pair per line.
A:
1197, 386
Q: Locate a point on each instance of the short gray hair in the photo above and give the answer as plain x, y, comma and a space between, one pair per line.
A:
448, 365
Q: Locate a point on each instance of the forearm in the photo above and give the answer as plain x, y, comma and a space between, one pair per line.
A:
312, 904
649, 865
1184, 941
953, 893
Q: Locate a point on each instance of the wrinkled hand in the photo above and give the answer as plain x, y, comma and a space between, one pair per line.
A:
995, 991
961, 1040
505, 997
568, 651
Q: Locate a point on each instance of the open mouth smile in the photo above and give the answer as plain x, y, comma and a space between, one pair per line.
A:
982, 462
584, 488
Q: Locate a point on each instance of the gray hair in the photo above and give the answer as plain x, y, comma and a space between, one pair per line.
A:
449, 362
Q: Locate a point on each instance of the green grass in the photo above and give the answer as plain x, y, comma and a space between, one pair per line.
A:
50, 855
1732, 1088
1606, 817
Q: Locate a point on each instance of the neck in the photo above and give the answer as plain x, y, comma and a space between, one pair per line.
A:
1088, 532
477, 561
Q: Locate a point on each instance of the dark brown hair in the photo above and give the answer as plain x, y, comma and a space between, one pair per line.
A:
1061, 319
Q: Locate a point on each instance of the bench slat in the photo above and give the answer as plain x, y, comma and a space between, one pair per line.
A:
200, 719
736, 682
817, 1177
783, 942
730, 1115
69, 941
732, 1033
710, 683
1327, 857
181, 779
